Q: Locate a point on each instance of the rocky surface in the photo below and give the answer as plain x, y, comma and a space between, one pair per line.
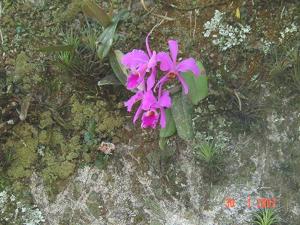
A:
52, 170
174, 189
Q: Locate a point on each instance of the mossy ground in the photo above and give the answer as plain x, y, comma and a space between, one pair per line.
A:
62, 129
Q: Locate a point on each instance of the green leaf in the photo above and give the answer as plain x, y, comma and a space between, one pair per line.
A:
116, 65
109, 79
198, 86
91, 9
182, 110
106, 40
162, 143
123, 14
170, 128
107, 36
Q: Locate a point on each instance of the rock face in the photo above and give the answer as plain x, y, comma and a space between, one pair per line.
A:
176, 190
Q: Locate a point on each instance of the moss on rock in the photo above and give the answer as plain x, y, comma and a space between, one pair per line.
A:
45, 120
83, 112
58, 170
23, 145
25, 72
57, 153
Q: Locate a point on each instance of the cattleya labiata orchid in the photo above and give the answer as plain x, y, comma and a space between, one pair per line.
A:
148, 74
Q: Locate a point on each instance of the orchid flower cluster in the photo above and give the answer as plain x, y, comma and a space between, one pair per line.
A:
149, 72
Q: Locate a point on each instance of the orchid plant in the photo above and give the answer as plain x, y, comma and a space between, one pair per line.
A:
153, 77
149, 74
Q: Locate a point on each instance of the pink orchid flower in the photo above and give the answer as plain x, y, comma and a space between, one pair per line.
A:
140, 63
150, 105
173, 68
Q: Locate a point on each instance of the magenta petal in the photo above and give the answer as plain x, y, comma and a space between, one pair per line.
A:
184, 84
165, 100
163, 121
166, 63
133, 81
149, 119
173, 45
153, 61
189, 65
134, 58
151, 79
149, 100
138, 96
161, 82
137, 77
137, 114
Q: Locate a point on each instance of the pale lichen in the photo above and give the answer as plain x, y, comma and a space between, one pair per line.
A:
223, 35
25, 72
17, 212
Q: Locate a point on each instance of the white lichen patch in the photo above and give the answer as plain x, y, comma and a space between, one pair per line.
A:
16, 212
218, 126
3, 200
276, 135
223, 35
296, 210
288, 31
266, 45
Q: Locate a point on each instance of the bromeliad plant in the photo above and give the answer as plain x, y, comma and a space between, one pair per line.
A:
152, 77
265, 217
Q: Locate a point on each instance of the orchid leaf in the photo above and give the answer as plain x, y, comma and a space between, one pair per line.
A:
170, 128
182, 110
106, 40
91, 9
121, 15
162, 143
198, 86
107, 36
116, 65
109, 80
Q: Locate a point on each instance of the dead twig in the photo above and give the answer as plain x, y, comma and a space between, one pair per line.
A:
156, 25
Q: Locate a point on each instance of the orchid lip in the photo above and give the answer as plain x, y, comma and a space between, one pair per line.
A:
150, 113
172, 75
